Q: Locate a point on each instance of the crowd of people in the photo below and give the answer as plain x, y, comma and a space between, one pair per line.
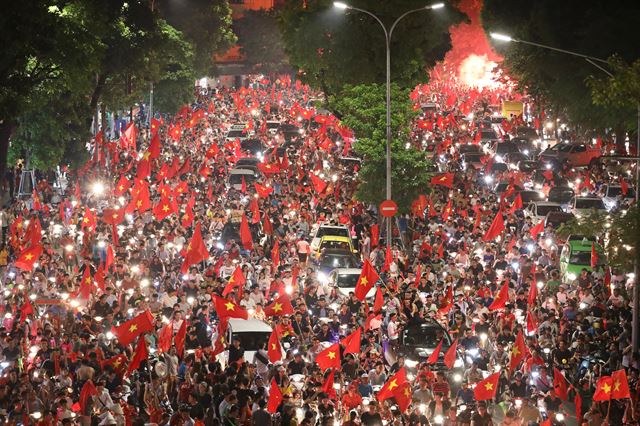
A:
117, 288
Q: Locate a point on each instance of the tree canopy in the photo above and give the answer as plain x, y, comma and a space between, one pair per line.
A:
261, 42
597, 29
333, 47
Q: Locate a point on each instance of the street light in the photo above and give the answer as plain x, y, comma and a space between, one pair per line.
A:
387, 35
635, 337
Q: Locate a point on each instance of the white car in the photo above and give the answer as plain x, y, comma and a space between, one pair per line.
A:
252, 333
538, 210
236, 175
612, 195
581, 206
345, 280
238, 131
319, 231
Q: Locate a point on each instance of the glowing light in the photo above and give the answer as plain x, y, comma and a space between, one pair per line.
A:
97, 188
478, 71
340, 5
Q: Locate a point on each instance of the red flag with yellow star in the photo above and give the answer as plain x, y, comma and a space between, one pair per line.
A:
237, 279
518, 351
196, 251
352, 342
603, 389
281, 306
141, 354
274, 350
329, 358
86, 285
403, 396
129, 330
118, 363
228, 309
393, 385
368, 278
445, 179
275, 397
89, 220
163, 209
245, 233
487, 388
29, 257
620, 385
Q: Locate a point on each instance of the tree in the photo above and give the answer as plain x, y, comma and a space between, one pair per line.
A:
619, 231
261, 42
362, 108
332, 47
206, 25
597, 29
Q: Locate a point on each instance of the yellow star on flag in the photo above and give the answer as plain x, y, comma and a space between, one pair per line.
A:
606, 388
146, 155
616, 386
393, 384
29, 256
117, 363
115, 215
277, 307
139, 203
488, 386
165, 208
443, 178
364, 281
133, 328
331, 355
85, 220
230, 279
515, 351
273, 346
121, 187
229, 306
406, 392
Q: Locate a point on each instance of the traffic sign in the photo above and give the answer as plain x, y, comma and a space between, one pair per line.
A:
388, 208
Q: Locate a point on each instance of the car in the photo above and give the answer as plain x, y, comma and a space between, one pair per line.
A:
513, 159
526, 132
557, 218
331, 259
252, 333
252, 162
527, 166
574, 154
236, 176
272, 126
345, 280
612, 195
331, 242
561, 194
418, 341
472, 160
576, 256
581, 206
319, 231
501, 149
530, 196
469, 148
253, 146
537, 210
238, 131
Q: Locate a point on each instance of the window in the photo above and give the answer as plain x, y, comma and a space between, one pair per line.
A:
580, 148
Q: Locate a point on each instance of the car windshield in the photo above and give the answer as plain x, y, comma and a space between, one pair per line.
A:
616, 191
589, 203
252, 340
338, 245
337, 261
528, 196
237, 179
565, 148
347, 280
543, 210
338, 232
425, 336
235, 134
582, 258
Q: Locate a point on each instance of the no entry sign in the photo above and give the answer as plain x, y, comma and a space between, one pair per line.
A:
388, 208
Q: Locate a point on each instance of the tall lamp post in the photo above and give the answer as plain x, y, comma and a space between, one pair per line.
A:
388, 34
635, 338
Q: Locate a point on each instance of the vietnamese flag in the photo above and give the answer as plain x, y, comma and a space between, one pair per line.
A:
532, 323
86, 284
517, 204
327, 386
154, 147
88, 390
263, 191
496, 228
450, 355
25, 310
281, 306
620, 385
237, 279
155, 126
275, 397
141, 354
448, 301
274, 350
577, 400
539, 228
560, 384
117, 362
445, 179
603, 389
29, 257
533, 293
229, 309
352, 342
37, 206
487, 388
245, 233
89, 220
403, 396
112, 216
275, 254
196, 250
379, 301
319, 185
501, 299
375, 235
164, 337
518, 352
433, 358
163, 209
624, 186
447, 211
129, 330
329, 358
366, 281
394, 382
594, 256
267, 227
181, 337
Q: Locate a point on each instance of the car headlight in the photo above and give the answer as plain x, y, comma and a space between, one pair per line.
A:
459, 363
499, 158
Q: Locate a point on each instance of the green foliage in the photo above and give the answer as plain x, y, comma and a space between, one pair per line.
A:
596, 29
619, 231
261, 42
362, 108
622, 90
206, 25
334, 47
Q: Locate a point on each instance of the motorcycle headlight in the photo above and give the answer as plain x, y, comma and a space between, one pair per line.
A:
473, 352
457, 378
459, 363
